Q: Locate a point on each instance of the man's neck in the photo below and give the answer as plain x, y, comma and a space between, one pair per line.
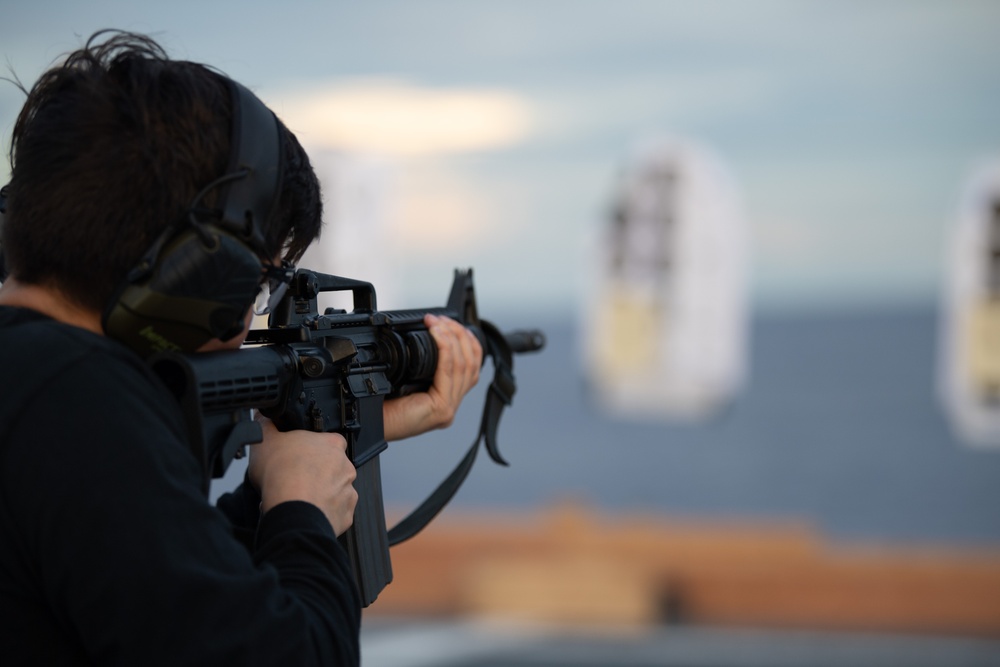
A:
49, 302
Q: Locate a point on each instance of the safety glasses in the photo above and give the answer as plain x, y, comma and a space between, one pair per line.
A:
273, 286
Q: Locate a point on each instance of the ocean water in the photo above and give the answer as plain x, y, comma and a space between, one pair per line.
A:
839, 426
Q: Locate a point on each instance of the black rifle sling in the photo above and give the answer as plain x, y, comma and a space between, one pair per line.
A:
498, 396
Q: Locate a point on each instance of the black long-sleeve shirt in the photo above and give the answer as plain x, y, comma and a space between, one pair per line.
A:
109, 552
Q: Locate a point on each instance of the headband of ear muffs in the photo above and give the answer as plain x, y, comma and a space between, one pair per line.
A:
198, 280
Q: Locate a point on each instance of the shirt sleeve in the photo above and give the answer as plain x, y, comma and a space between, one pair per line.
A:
138, 565
241, 507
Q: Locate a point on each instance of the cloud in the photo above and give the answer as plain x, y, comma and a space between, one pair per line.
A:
395, 117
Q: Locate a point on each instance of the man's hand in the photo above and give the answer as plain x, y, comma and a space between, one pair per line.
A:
459, 358
303, 465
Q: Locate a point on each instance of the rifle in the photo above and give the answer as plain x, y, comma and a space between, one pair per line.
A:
331, 372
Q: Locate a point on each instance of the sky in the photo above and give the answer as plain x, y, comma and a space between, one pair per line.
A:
499, 128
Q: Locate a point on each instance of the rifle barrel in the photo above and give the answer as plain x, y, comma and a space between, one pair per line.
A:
525, 340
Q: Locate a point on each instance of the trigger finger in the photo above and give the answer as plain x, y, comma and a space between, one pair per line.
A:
265, 422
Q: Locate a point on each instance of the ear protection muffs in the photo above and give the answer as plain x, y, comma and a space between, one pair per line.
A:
199, 278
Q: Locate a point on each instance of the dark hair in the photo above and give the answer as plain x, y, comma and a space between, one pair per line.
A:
110, 148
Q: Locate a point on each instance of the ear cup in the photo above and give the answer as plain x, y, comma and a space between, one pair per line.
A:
197, 291
198, 279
